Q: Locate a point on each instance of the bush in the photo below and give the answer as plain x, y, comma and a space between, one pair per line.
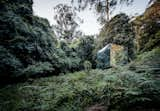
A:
9, 64
70, 58
147, 62
148, 36
84, 49
38, 69
87, 66
118, 31
117, 89
27, 42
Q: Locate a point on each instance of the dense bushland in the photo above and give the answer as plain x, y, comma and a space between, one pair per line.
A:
116, 89
147, 28
29, 48
25, 40
119, 31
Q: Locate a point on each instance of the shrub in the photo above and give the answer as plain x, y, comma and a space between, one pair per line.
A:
38, 69
9, 64
27, 42
147, 62
87, 66
148, 36
118, 89
118, 31
84, 49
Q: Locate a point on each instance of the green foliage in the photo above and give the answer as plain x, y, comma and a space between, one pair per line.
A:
149, 37
147, 28
148, 62
118, 31
118, 89
103, 8
87, 66
9, 61
69, 58
25, 40
28, 45
10, 100
85, 50
67, 22
76, 52
38, 68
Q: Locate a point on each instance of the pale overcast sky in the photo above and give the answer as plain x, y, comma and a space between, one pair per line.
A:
44, 8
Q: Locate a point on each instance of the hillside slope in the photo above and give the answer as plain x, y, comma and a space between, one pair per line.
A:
116, 89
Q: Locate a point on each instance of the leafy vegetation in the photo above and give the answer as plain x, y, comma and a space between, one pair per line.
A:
87, 66
85, 50
117, 89
118, 31
29, 49
25, 40
148, 62
67, 22
147, 28
103, 7
29, 46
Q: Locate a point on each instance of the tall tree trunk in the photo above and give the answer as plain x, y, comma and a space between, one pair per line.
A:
107, 9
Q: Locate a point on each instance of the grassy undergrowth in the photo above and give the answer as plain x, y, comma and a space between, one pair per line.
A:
117, 89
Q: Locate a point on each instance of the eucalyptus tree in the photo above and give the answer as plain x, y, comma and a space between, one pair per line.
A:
103, 7
67, 21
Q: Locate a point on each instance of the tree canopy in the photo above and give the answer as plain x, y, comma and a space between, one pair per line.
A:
103, 7
67, 21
